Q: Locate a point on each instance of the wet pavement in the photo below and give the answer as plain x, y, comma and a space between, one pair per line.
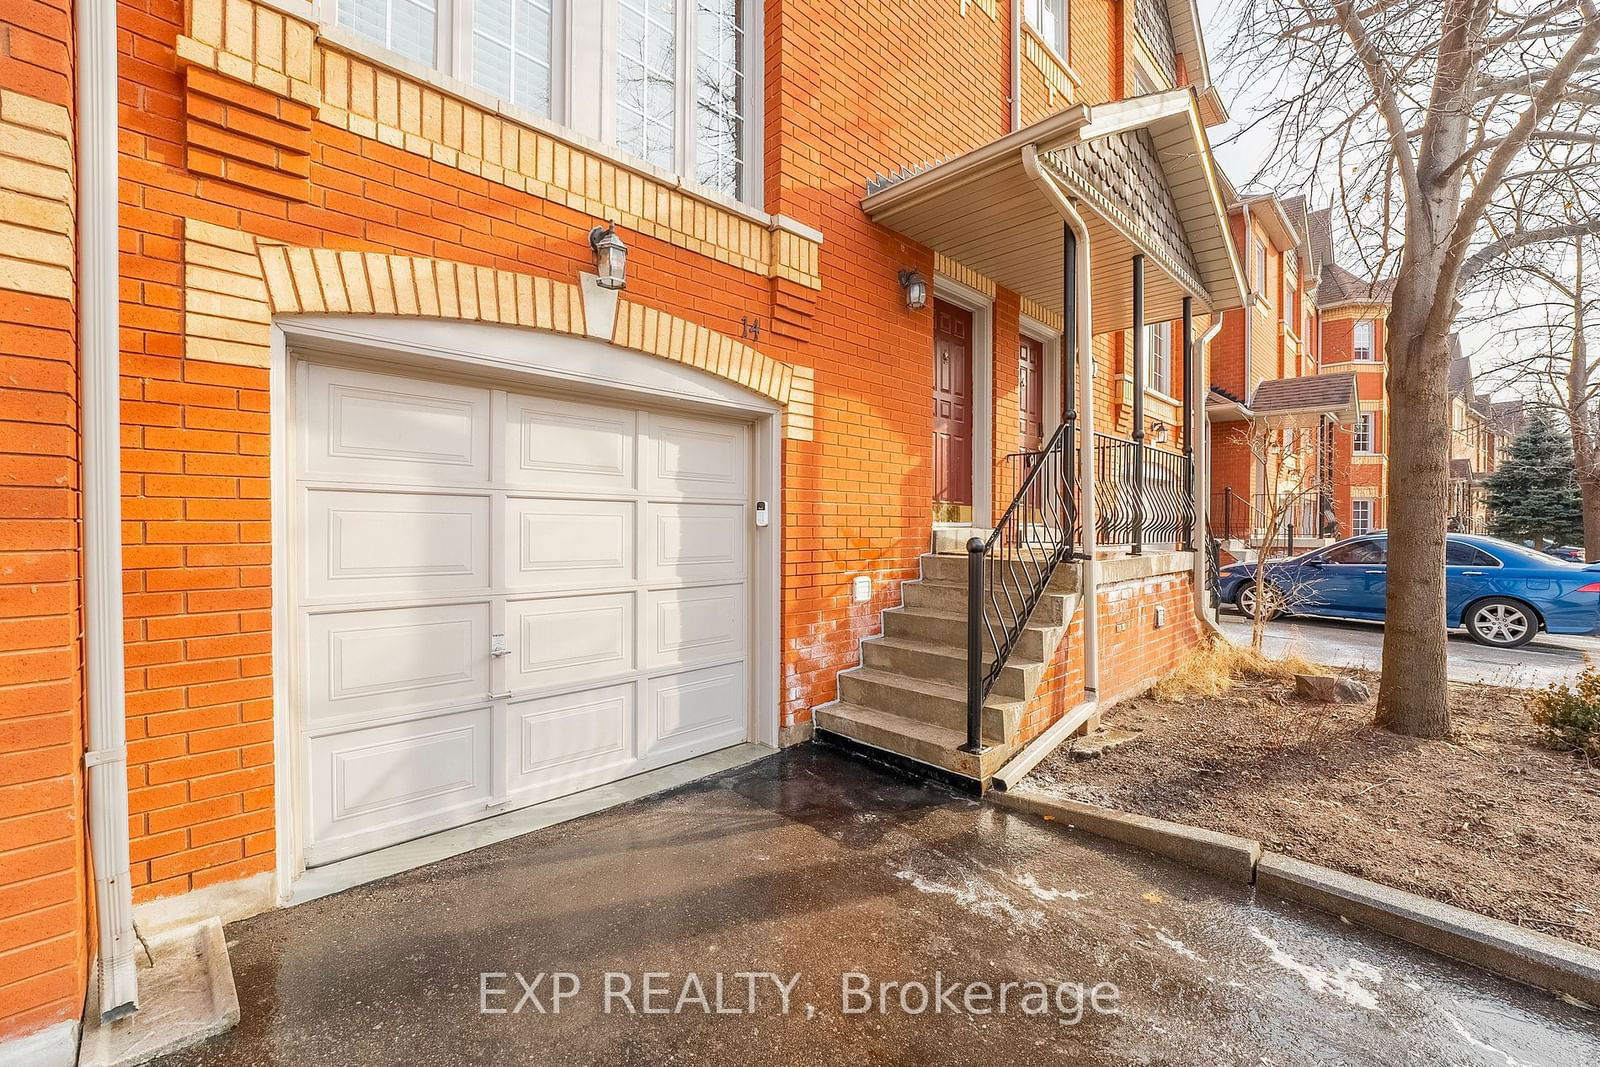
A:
784, 876
1548, 659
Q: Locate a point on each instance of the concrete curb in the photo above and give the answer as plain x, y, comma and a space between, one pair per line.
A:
1491, 944
1221, 854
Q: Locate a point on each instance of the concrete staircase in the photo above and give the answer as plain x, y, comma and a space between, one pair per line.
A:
909, 696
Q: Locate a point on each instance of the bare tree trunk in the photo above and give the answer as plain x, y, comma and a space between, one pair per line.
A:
1580, 412
1413, 697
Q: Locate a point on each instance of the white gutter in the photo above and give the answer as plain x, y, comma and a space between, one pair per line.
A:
1088, 518
1016, 65
99, 344
1200, 431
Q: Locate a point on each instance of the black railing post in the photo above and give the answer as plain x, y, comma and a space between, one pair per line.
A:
1069, 340
975, 616
1227, 513
1289, 548
1188, 424
1138, 404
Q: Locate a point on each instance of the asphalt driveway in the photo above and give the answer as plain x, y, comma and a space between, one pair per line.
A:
1545, 660
785, 875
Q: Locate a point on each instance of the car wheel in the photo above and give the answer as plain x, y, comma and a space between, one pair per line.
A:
1246, 600
1501, 622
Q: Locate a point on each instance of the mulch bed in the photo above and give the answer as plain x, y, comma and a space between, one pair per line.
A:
1488, 820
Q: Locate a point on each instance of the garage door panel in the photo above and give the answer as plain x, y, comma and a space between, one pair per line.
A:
570, 639
361, 424
564, 444
695, 625
696, 542
570, 543
694, 711
571, 736
393, 782
396, 544
695, 457
388, 660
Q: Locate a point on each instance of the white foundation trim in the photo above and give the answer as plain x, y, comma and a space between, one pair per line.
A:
54, 1046
228, 901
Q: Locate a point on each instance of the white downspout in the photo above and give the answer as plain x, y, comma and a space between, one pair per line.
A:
1088, 517
1200, 434
1016, 65
99, 347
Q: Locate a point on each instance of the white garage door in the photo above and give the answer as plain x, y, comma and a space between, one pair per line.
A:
506, 597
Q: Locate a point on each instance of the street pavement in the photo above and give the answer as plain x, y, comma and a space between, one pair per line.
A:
829, 913
1546, 660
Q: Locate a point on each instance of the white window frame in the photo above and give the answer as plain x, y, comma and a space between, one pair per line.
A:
1366, 430
583, 90
1059, 48
1371, 347
1360, 523
1158, 339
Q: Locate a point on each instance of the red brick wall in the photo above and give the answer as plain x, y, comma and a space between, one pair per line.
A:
44, 911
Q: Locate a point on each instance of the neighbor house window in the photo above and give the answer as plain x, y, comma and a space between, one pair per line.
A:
1364, 434
1158, 356
1362, 347
1259, 276
1049, 20
666, 81
1360, 517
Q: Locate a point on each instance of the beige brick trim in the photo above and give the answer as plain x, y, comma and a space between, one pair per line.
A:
253, 43
37, 211
234, 283
943, 264
988, 7
1360, 312
1058, 79
265, 47
1039, 313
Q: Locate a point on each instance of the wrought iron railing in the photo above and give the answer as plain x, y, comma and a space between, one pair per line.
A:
1142, 494
1008, 571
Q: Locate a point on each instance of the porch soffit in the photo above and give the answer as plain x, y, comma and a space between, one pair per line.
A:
1141, 175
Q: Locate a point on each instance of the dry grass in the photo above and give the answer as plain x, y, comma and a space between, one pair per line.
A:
1216, 667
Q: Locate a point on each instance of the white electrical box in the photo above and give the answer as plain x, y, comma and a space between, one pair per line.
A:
861, 588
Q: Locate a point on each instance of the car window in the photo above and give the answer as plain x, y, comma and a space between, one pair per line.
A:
1461, 554
1368, 552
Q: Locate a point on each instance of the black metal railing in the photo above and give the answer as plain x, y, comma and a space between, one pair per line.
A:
1008, 571
1142, 494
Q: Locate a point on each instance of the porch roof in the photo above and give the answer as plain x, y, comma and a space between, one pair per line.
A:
1313, 394
1139, 172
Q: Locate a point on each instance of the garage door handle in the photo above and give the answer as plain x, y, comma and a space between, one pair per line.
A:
497, 646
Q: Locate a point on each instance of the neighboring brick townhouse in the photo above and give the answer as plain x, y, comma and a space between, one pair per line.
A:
516, 398
1268, 371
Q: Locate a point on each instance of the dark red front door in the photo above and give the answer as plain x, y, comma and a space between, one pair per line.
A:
1030, 395
952, 404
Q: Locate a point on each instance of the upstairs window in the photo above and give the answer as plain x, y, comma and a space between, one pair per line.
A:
1361, 517
1364, 433
666, 81
1361, 347
1049, 20
1258, 278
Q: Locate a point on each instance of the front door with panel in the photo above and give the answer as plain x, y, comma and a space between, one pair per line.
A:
952, 412
504, 597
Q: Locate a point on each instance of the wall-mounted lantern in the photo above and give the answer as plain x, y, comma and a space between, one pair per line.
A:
916, 287
610, 257
1159, 431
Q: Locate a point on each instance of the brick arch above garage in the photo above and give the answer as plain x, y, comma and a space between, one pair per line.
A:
236, 283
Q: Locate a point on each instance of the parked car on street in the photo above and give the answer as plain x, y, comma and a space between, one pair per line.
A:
1570, 553
1502, 593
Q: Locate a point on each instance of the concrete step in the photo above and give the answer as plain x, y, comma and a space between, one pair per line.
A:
952, 570
950, 629
934, 745
1053, 608
929, 659
926, 700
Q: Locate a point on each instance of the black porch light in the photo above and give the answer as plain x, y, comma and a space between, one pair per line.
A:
916, 287
610, 257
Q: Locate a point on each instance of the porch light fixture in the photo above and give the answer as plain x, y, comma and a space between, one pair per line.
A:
1158, 430
916, 287
610, 257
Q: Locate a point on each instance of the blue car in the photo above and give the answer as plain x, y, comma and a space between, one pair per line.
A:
1504, 594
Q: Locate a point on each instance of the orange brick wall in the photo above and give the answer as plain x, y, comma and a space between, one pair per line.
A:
1359, 476
44, 909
